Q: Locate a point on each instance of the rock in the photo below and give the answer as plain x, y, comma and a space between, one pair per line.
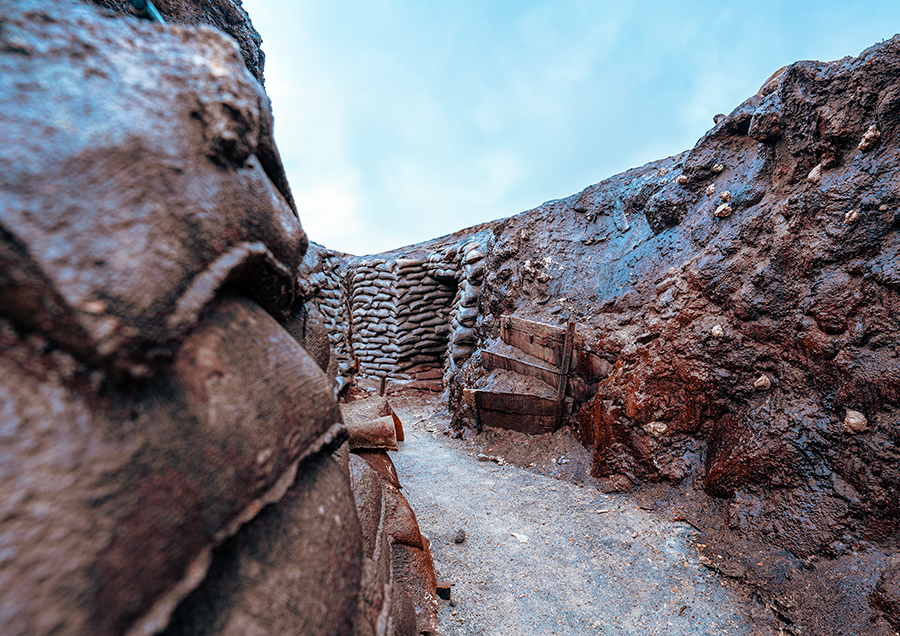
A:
725, 195
710, 189
472, 256
723, 211
656, 429
815, 175
717, 331
870, 138
718, 168
851, 217
460, 535
763, 383
855, 422
681, 180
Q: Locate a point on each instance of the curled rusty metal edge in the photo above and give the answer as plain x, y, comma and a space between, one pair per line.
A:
157, 618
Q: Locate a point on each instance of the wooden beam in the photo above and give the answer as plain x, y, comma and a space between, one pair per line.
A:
537, 339
564, 376
521, 404
492, 360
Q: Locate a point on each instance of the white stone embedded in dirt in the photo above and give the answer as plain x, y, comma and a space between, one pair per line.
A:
870, 138
725, 195
656, 428
851, 217
718, 168
855, 422
763, 383
717, 331
815, 175
681, 180
723, 211
710, 189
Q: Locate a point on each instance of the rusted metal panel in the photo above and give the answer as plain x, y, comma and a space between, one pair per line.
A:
492, 360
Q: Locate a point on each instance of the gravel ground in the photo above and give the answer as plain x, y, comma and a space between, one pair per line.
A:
545, 556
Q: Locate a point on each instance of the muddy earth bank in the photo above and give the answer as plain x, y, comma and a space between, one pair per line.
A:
746, 297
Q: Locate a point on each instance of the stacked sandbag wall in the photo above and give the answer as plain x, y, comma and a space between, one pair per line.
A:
425, 291
470, 255
397, 316
332, 303
373, 309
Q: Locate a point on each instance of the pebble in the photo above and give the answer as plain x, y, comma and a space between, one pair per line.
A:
718, 168
763, 383
460, 536
723, 211
681, 180
717, 331
851, 217
710, 189
855, 422
815, 174
656, 428
870, 138
725, 195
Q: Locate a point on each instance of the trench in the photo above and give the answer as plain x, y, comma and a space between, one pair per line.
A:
543, 555
546, 552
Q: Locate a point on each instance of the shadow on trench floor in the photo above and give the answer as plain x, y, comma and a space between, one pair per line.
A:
547, 556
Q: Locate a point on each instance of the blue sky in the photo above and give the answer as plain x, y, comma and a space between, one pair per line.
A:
402, 120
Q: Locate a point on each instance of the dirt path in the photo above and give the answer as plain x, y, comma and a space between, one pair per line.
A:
544, 556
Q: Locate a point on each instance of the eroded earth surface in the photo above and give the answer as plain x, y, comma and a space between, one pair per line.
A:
547, 556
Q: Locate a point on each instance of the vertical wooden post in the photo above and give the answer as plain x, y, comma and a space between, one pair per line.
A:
381, 386
564, 376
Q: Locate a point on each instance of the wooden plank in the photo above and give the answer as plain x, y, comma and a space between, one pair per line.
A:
563, 378
493, 360
514, 403
538, 339
534, 338
529, 424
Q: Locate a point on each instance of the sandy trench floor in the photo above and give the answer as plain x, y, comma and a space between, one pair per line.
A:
545, 556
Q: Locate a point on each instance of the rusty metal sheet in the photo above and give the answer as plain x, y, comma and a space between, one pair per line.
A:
416, 568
